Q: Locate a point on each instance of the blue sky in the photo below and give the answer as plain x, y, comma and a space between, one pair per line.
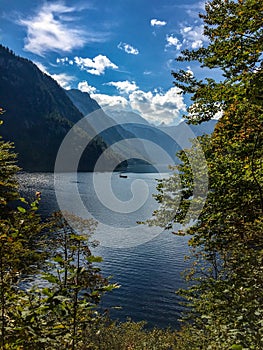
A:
121, 52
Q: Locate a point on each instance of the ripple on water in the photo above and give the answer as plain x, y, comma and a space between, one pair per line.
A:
149, 274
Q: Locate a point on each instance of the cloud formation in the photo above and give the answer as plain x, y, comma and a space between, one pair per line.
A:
108, 101
64, 60
51, 29
194, 9
124, 87
85, 87
191, 37
95, 66
173, 41
128, 48
63, 79
156, 107
157, 23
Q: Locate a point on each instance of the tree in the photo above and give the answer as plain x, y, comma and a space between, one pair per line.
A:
8, 169
66, 306
21, 250
227, 241
57, 312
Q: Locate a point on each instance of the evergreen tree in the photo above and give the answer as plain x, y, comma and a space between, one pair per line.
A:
227, 242
8, 169
20, 242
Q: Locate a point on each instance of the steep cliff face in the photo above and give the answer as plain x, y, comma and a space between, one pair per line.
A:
38, 115
83, 101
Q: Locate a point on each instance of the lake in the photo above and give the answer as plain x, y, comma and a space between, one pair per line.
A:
146, 262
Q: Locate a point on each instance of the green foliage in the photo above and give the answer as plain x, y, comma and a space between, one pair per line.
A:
56, 312
226, 241
50, 285
58, 309
21, 248
128, 335
234, 30
8, 168
75, 285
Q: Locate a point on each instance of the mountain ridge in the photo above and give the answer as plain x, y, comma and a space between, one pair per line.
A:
114, 134
42, 114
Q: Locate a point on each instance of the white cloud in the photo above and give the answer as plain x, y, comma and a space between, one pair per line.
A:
173, 41
158, 107
95, 66
186, 29
124, 86
85, 87
193, 36
218, 115
63, 79
64, 60
193, 10
107, 101
197, 44
128, 48
158, 23
41, 67
51, 29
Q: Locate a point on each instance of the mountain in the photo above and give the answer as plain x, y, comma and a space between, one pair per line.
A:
122, 140
82, 101
183, 132
139, 139
161, 142
123, 117
38, 116
161, 149
198, 130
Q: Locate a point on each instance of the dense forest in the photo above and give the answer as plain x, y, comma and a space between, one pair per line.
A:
224, 299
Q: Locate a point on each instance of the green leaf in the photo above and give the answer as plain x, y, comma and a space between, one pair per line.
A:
23, 200
236, 347
110, 287
21, 209
58, 259
50, 278
92, 259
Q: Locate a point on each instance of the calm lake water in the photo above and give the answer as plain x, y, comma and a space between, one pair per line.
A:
148, 267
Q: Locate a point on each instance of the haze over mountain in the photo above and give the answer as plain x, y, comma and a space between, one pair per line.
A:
156, 144
169, 138
40, 113
116, 136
